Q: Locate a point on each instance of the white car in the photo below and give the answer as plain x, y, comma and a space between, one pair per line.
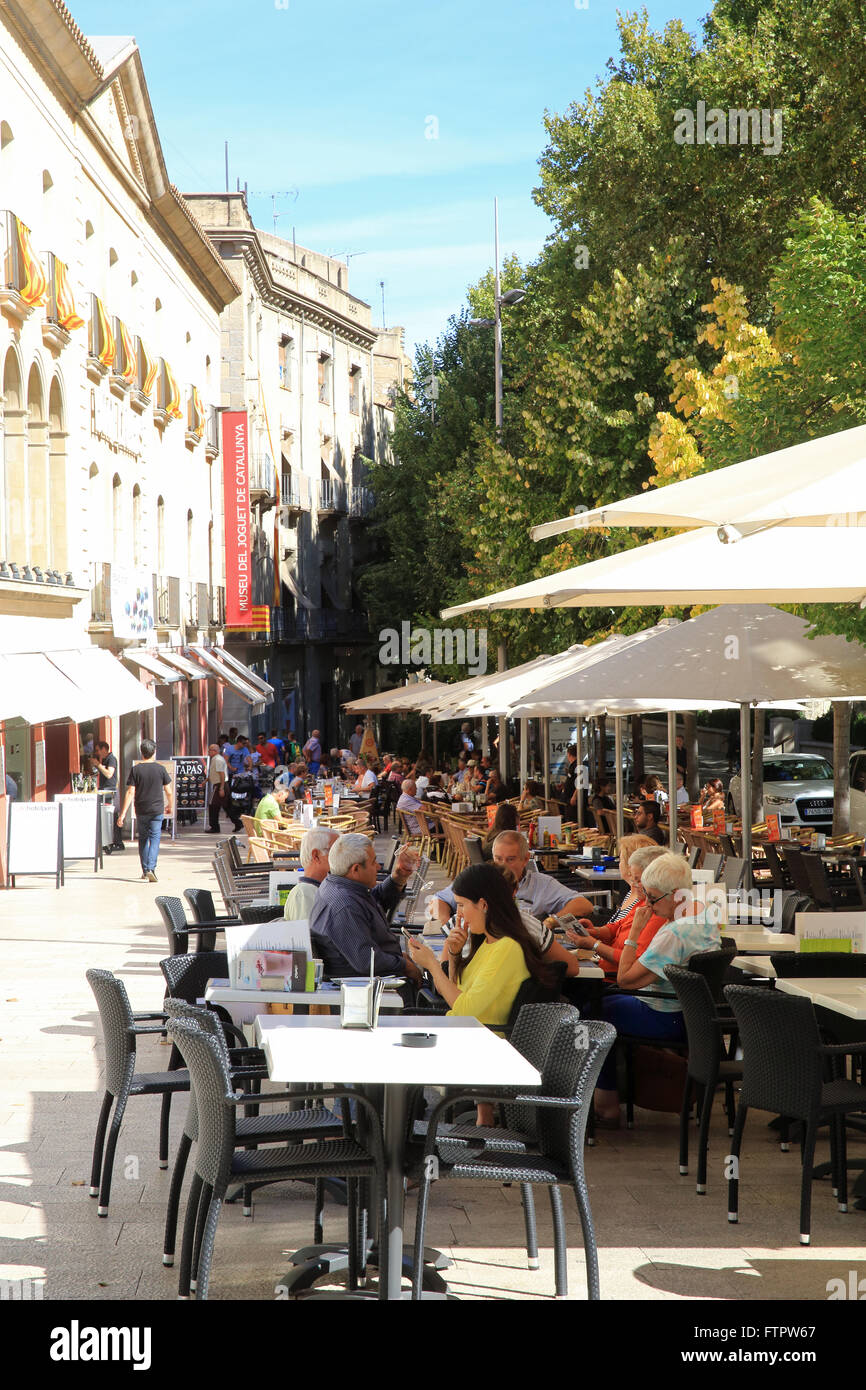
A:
798, 787
857, 774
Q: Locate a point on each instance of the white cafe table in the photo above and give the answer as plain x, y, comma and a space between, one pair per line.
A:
839, 995
750, 941
760, 966
304, 1050
220, 992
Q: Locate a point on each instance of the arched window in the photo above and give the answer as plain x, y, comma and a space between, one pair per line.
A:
117, 517
160, 534
13, 464
137, 541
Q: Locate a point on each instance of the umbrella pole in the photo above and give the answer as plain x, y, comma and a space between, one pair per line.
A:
579, 783
672, 778
524, 752
617, 745
435, 742
545, 730
746, 789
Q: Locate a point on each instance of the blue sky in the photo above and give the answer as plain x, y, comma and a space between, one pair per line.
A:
332, 104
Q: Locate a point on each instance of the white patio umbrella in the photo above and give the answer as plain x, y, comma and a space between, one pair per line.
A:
397, 699
816, 564
807, 484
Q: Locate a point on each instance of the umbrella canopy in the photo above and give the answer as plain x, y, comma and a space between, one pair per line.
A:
399, 698
816, 564
806, 485
746, 654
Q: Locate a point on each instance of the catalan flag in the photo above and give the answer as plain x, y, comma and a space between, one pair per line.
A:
196, 413
260, 620
148, 370
102, 342
125, 363
171, 394
33, 282
64, 300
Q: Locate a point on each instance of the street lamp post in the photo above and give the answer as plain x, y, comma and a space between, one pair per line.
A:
510, 297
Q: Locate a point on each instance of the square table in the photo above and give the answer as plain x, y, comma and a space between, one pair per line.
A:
304, 1050
760, 943
841, 995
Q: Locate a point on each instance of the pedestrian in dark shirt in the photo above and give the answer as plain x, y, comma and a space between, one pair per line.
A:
146, 785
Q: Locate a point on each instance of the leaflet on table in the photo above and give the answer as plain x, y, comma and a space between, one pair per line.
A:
260, 939
830, 931
280, 885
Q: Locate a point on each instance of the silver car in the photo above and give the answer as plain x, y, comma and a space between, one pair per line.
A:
797, 786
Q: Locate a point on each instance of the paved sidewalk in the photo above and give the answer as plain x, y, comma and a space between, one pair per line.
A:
657, 1239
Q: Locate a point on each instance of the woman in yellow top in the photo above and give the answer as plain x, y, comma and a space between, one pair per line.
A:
502, 955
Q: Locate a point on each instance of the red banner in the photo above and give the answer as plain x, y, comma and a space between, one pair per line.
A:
236, 506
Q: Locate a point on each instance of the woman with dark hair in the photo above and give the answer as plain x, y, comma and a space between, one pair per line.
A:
484, 983
713, 796
495, 790
506, 818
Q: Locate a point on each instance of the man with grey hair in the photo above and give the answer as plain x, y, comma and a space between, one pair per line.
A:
408, 801
349, 913
540, 894
315, 847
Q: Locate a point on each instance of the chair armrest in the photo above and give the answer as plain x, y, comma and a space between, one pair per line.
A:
138, 1029
157, 1013
216, 923
841, 1049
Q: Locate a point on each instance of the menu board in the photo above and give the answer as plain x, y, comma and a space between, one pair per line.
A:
35, 840
80, 814
190, 782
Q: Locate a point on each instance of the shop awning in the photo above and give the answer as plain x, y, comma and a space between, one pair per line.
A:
109, 688
239, 684
165, 675
177, 660
34, 690
246, 674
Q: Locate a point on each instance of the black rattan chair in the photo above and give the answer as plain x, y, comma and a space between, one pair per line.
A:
179, 930
248, 1068
120, 1029
707, 1065
784, 1062
204, 913
358, 1155
574, 1060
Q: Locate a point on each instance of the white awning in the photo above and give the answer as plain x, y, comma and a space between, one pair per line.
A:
245, 672
166, 675
34, 690
231, 678
181, 663
110, 689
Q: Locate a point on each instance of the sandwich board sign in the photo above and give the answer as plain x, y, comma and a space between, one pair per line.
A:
81, 827
35, 841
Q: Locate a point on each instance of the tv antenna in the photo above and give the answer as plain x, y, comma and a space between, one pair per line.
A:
292, 193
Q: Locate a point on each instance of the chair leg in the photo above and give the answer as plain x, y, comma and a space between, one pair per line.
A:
99, 1143
247, 1200
811, 1134
163, 1129
363, 1223
685, 1112
560, 1249
418, 1254
203, 1206
381, 1186
528, 1197
108, 1160
319, 1215
842, 1165
730, 1106
206, 1253
169, 1240
703, 1138
629, 1086
590, 1251
734, 1179
784, 1133
189, 1225
352, 1204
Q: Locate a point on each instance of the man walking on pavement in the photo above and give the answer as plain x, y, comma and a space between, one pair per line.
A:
149, 785
220, 799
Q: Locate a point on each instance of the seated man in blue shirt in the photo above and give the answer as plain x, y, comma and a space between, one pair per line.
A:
349, 917
541, 894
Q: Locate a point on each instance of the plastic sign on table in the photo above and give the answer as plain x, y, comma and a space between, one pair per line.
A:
817, 932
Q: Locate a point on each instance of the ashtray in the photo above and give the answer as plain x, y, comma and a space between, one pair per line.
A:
418, 1039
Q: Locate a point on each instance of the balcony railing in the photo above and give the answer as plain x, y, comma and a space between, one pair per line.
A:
212, 431
167, 590
218, 608
263, 479
332, 496
361, 501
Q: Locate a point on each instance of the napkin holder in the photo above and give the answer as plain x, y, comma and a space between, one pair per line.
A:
360, 1000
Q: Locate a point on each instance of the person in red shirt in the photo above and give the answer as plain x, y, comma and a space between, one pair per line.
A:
609, 950
268, 752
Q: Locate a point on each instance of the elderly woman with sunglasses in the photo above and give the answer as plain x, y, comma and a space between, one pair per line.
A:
688, 928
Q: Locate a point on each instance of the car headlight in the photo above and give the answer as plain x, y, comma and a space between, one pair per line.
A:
779, 800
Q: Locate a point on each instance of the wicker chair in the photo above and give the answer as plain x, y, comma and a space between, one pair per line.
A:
120, 1029
179, 930
784, 1063
571, 1071
247, 1067
707, 1065
219, 1162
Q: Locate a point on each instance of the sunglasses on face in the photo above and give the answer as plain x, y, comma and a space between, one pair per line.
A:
652, 901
